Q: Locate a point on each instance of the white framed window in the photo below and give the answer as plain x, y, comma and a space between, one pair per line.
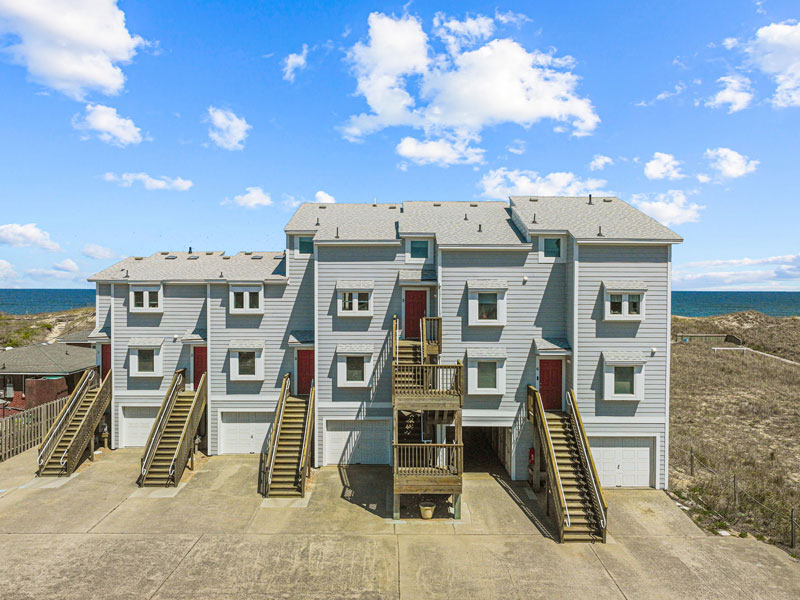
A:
146, 299
246, 361
419, 250
552, 249
303, 246
486, 375
623, 377
623, 303
353, 366
246, 299
486, 303
145, 358
354, 303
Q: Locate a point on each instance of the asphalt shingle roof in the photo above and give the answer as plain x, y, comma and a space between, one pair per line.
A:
347, 222
485, 223
615, 218
198, 266
46, 359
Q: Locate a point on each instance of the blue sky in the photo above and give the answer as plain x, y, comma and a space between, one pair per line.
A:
133, 127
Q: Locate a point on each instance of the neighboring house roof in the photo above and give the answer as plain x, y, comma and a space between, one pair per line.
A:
485, 223
346, 222
46, 359
198, 266
611, 216
76, 337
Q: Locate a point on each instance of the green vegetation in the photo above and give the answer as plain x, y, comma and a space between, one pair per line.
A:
22, 330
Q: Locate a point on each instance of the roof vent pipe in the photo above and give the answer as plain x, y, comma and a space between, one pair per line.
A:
599, 231
590, 199
337, 233
126, 274
480, 228
317, 223
465, 217
190, 249
534, 219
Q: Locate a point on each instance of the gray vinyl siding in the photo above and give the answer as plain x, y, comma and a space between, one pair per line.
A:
535, 308
648, 263
184, 308
287, 306
103, 308
380, 264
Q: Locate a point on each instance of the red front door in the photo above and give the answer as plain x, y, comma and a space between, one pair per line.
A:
416, 305
550, 383
105, 359
305, 371
200, 363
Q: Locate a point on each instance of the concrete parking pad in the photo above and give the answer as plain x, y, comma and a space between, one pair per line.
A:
97, 535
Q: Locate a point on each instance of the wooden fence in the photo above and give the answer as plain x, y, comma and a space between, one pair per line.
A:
26, 429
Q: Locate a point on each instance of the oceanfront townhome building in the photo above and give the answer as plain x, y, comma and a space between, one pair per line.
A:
414, 335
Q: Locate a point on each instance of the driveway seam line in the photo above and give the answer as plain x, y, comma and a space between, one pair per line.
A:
105, 516
180, 562
397, 546
602, 564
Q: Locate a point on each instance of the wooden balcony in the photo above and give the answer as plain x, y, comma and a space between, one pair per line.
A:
428, 387
428, 468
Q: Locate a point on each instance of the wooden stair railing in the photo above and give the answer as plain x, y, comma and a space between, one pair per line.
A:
395, 340
176, 386
267, 460
431, 329
308, 436
598, 498
554, 486
186, 444
85, 432
53, 435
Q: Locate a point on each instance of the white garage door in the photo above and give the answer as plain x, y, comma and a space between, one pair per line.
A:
365, 442
623, 462
244, 432
137, 421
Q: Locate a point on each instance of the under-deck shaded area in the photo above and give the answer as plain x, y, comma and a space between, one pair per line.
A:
481, 454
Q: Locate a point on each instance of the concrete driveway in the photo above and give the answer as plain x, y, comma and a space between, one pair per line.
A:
96, 535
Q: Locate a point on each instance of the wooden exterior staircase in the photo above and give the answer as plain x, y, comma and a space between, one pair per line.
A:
73, 430
286, 465
572, 485
172, 439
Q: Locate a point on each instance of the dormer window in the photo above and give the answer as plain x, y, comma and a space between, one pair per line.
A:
551, 249
146, 299
624, 300
305, 244
419, 250
245, 299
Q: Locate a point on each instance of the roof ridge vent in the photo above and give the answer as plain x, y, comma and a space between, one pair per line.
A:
138, 258
437, 203
473, 204
533, 199
164, 253
607, 199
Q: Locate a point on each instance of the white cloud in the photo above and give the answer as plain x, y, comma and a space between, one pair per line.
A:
440, 152
516, 147
776, 51
736, 93
71, 47
294, 62
227, 130
454, 95
457, 34
679, 88
109, 126
20, 236
252, 198
67, 265
703, 178
782, 272
502, 183
511, 18
729, 163
7, 270
670, 208
600, 162
150, 183
324, 197
663, 166
54, 273
97, 251
730, 42
784, 259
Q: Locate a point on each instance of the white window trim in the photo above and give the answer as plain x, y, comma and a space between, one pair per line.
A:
552, 259
259, 288
472, 301
472, 377
341, 312
607, 316
341, 370
296, 245
233, 374
133, 362
638, 381
146, 288
419, 261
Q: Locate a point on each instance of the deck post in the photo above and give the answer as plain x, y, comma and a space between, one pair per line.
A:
91, 448
396, 508
457, 506
537, 462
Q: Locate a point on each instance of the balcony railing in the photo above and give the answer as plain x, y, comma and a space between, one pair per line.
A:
429, 460
431, 335
428, 382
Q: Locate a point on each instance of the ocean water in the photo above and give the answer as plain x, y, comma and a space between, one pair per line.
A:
20, 302
685, 304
